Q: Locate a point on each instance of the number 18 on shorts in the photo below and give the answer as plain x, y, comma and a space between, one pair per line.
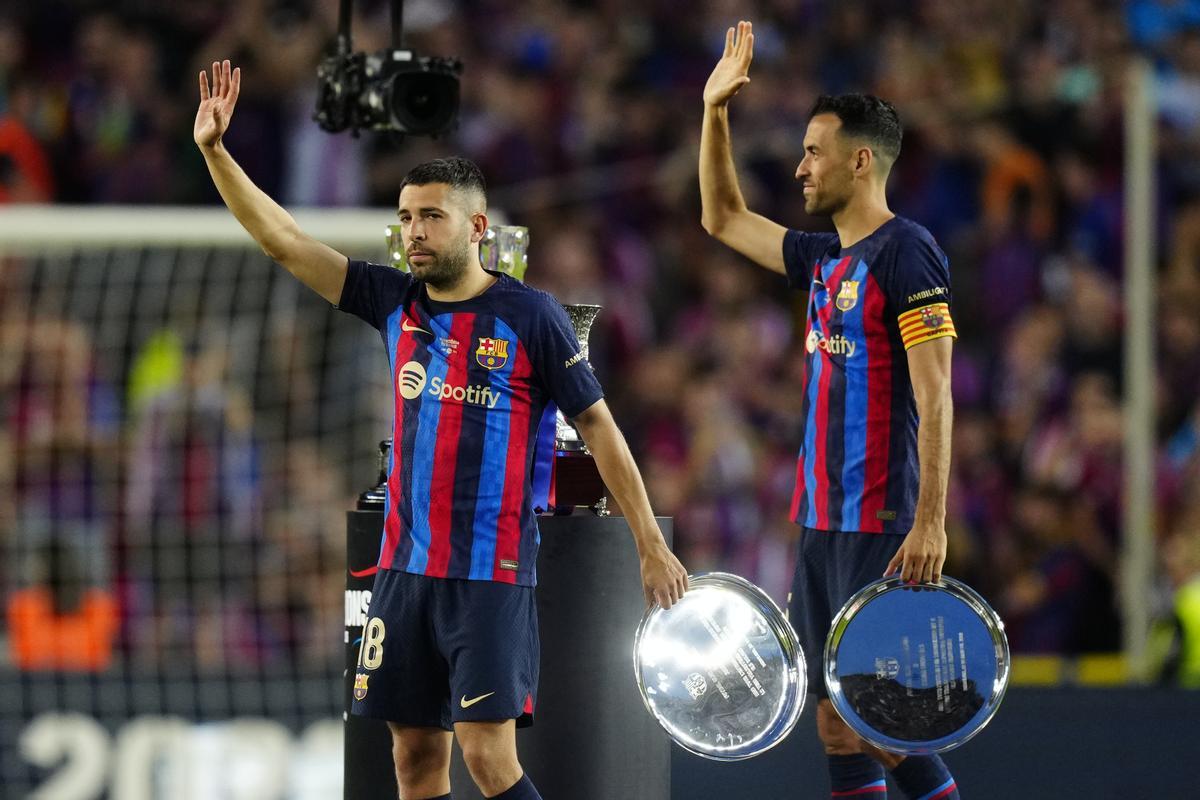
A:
436, 651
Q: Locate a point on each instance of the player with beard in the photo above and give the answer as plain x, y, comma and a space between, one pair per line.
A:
479, 361
870, 492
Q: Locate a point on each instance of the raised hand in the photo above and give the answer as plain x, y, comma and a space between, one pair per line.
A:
732, 71
216, 107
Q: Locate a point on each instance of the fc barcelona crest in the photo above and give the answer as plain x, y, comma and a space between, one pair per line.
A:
360, 685
847, 295
492, 353
931, 318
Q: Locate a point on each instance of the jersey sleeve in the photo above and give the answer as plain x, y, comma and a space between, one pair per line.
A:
372, 292
801, 251
918, 290
558, 360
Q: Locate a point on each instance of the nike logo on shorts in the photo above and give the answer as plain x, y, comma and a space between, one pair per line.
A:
465, 703
404, 326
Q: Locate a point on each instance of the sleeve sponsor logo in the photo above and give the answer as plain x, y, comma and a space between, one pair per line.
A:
928, 322
936, 291
573, 360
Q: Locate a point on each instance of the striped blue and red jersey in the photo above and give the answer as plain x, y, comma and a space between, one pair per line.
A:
476, 385
868, 304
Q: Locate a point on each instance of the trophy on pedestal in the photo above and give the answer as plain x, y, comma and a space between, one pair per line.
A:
570, 471
576, 480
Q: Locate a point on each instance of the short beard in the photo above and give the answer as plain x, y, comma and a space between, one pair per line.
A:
828, 208
443, 272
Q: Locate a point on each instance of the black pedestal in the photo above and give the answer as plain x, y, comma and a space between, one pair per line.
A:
369, 774
592, 738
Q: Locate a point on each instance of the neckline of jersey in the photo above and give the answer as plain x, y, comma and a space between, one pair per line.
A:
449, 305
869, 236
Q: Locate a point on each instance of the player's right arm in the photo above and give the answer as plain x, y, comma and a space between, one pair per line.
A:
724, 212
317, 265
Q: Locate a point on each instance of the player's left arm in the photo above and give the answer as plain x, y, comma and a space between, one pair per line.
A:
921, 556
664, 579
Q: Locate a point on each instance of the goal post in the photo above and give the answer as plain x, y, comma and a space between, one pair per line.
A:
182, 428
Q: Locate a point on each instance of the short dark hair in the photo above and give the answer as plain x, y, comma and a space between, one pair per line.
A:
459, 173
865, 116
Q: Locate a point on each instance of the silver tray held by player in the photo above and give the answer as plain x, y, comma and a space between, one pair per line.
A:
722, 671
916, 668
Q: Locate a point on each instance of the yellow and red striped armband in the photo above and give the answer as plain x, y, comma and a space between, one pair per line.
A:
925, 323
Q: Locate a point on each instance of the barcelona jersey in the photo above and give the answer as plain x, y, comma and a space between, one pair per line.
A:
476, 384
868, 304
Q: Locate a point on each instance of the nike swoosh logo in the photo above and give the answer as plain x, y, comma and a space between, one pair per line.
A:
465, 703
363, 573
404, 326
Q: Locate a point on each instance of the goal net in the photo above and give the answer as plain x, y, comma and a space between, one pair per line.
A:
182, 426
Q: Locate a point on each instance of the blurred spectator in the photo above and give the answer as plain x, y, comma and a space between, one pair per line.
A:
57, 437
301, 568
193, 513
59, 622
24, 168
1178, 635
1055, 601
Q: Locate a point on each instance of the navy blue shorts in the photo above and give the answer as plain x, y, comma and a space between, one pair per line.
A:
830, 567
436, 651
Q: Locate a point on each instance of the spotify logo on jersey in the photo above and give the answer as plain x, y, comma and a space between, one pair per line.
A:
411, 380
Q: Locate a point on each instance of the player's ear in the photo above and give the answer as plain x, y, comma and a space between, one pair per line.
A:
479, 226
864, 159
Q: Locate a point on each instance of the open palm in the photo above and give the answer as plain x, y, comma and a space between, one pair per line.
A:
216, 107
732, 71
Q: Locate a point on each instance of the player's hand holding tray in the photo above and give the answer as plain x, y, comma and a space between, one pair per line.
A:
916, 668
722, 670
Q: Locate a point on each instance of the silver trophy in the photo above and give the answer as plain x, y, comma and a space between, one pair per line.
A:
722, 671
577, 479
566, 436
918, 668
503, 250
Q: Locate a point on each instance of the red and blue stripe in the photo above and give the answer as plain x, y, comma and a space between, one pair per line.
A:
424, 461
854, 411
945, 790
867, 790
402, 350
496, 434
442, 489
816, 445
515, 510
877, 436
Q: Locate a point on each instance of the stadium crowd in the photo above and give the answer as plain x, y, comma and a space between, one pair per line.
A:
585, 118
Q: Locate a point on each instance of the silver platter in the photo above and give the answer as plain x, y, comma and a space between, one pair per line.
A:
722, 670
919, 668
